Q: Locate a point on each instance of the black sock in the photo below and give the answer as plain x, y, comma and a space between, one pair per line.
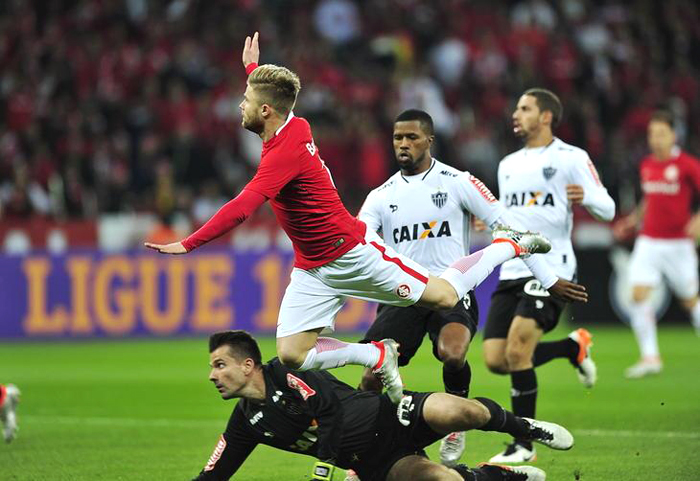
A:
503, 421
523, 397
546, 351
457, 382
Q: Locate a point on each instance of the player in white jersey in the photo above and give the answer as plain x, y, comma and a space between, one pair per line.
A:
538, 185
423, 212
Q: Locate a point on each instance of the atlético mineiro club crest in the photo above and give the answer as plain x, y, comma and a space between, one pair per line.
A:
439, 199
548, 172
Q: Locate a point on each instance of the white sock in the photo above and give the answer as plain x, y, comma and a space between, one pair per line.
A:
643, 323
695, 314
470, 271
329, 353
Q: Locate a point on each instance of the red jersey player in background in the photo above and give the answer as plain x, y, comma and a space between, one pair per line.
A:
665, 249
335, 256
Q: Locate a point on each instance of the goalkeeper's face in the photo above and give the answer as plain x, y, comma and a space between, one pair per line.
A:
229, 375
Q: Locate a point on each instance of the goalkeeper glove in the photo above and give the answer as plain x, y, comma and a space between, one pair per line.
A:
323, 471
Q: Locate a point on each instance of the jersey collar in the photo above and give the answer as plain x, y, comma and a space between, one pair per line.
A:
289, 118
408, 178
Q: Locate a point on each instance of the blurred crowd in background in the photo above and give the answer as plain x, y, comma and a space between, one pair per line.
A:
132, 105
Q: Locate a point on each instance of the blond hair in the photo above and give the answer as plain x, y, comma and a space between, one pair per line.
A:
276, 86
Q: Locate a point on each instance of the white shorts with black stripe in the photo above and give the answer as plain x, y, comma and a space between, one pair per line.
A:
370, 271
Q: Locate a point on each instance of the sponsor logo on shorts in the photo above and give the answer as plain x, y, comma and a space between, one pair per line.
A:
403, 291
303, 388
218, 451
535, 289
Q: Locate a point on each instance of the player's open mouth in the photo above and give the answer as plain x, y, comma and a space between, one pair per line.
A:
404, 155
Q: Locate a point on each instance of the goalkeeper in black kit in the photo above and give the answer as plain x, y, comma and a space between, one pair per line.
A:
314, 413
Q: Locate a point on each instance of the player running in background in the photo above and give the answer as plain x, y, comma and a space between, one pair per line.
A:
9, 399
665, 249
335, 255
538, 185
423, 212
315, 414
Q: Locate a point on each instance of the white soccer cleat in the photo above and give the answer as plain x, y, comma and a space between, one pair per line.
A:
550, 434
515, 453
514, 473
643, 368
388, 372
351, 475
585, 367
527, 242
451, 448
8, 414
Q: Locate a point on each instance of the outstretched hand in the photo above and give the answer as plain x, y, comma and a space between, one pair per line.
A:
569, 291
173, 248
251, 50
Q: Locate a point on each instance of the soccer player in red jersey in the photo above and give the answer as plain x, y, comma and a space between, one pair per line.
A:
665, 248
335, 256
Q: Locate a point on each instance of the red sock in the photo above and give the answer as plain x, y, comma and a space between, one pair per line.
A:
3, 394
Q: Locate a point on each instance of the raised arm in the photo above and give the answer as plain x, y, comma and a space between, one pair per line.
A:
587, 189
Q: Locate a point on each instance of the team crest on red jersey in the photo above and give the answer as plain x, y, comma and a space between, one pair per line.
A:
218, 451
403, 291
303, 388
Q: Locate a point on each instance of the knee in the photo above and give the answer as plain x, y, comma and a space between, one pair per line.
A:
370, 382
452, 357
291, 358
689, 304
640, 293
517, 355
496, 363
447, 299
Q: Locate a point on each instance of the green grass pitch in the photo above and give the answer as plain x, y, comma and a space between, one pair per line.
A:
144, 410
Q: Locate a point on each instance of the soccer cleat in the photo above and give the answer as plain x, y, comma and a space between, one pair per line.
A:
550, 434
8, 414
351, 475
513, 473
388, 371
585, 367
524, 242
515, 453
451, 448
645, 367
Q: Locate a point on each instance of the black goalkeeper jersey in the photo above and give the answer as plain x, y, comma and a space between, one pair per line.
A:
308, 412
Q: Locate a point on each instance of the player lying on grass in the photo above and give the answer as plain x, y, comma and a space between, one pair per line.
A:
313, 413
336, 256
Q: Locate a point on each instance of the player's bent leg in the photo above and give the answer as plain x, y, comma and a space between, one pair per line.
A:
445, 413
523, 335
293, 350
419, 468
438, 294
495, 355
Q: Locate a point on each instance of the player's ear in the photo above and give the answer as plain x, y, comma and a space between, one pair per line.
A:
431, 138
547, 117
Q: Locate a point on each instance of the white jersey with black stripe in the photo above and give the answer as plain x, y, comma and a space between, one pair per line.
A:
532, 184
426, 216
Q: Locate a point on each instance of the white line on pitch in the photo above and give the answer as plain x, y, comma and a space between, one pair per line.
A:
186, 423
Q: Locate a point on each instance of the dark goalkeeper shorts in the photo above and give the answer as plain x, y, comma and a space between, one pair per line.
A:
521, 297
409, 325
394, 440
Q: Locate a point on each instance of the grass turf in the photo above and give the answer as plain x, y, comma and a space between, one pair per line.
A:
143, 409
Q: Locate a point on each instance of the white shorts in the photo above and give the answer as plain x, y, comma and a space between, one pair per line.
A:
371, 271
673, 260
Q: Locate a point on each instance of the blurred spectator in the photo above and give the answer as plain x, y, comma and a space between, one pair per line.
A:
97, 97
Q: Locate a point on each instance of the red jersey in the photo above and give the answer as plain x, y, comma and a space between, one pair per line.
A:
303, 197
668, 194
